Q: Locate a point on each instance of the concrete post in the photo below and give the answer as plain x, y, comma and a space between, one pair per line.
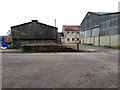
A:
109, 40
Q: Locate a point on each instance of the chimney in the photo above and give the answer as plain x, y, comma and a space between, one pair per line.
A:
34, 20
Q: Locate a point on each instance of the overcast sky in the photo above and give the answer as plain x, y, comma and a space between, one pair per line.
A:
66, 12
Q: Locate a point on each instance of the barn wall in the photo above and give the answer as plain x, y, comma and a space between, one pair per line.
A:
34, 32
96, 40
92, 40
111, 40
115, 41
82, 40
23, 42
88, 40
103, 30
104, 40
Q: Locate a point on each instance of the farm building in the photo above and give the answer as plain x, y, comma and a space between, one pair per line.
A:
33, 33
60, 37
101, 29
71, 34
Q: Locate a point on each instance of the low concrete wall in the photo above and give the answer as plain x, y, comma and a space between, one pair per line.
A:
88, 40
104, 41
111, 40
115, 41
82, 40
92, 40
85, 40
96, 41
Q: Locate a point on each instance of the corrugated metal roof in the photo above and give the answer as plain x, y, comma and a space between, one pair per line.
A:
102, 13
36, 22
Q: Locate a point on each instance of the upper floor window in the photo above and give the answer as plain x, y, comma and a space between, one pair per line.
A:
68, 39
73, 32
77, 39
77, 32
73, 39
68, 32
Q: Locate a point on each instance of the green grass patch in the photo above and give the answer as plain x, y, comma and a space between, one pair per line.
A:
14, 47
115, 48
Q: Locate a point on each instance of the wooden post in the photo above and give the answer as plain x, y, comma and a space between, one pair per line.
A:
55, 22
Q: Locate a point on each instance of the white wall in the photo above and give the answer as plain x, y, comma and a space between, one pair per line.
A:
113, 40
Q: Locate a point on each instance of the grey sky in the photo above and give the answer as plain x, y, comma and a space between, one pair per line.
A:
66, 12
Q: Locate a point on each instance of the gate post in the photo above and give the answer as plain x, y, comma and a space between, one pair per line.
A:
77, 46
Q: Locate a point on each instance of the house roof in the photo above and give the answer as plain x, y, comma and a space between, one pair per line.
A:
34, 21
72, 28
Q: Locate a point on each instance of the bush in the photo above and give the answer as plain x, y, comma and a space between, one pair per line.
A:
17, 46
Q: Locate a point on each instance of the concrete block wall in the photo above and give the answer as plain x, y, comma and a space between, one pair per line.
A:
111, 40
96, 41
92, 40
82, 40
104, 41
88, 40
115, 41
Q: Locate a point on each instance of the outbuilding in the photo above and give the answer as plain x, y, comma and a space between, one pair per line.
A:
71, 34
33, 33
101, 29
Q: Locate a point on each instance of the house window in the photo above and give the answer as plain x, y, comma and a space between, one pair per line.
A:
77, 39
68, 32
68, 39
73, 39
73, 32
77, 32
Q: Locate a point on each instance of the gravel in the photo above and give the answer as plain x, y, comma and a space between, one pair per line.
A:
60, 70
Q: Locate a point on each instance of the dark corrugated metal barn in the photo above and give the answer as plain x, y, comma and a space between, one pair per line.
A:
101, 28
33, 33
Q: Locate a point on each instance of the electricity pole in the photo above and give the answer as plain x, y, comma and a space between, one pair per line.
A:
55, 22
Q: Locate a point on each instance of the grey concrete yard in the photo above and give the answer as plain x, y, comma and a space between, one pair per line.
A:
60, 70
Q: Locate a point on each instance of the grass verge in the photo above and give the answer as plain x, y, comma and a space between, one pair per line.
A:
115, 48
